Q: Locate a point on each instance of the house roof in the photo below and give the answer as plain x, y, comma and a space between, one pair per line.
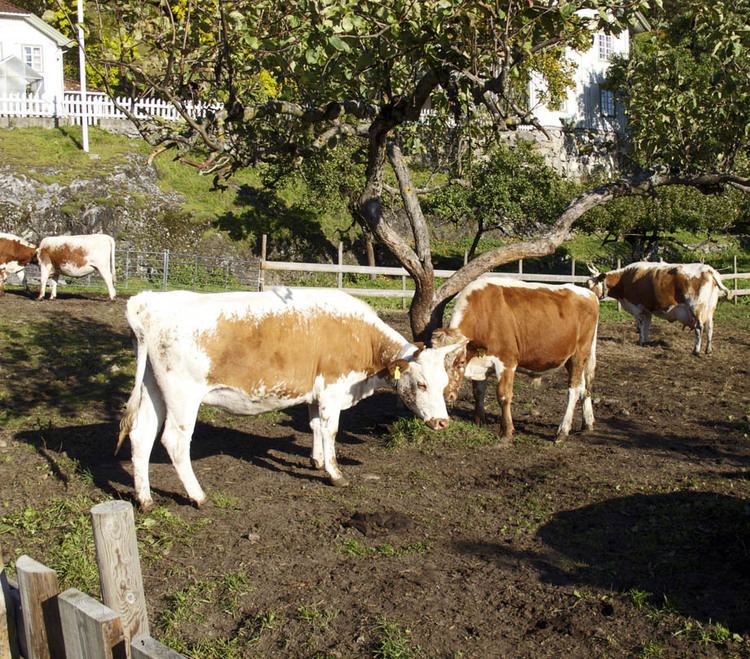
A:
13, 65
8, 9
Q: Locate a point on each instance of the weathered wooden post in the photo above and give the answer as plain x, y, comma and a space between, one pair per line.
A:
735, 279
573, 271
8, 630
262, 272
145, 647
91, 630
41, 618
520, 266
340, 274
120, 565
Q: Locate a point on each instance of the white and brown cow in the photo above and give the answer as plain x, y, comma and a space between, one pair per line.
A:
533, 328
687, 293
76, 256
255, 352
15, 254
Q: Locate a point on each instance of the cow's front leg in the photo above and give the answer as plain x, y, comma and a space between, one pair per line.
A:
316, 459
329, 426
479, 389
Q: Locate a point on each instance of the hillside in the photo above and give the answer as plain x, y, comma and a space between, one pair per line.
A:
48, 185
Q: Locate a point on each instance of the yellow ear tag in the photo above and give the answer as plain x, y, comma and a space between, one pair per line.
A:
396, 373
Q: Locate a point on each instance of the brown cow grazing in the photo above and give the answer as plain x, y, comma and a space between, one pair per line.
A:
15, 255
687, 293
535, 328
76, 256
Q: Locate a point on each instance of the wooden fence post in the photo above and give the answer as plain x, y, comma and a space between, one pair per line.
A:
91, 630
119, 565
520, 266
8, 630
735, 279
41, 618
573, 271
145, 647
340, 274
262, 273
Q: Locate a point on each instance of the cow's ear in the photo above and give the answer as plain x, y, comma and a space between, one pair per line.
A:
397, 367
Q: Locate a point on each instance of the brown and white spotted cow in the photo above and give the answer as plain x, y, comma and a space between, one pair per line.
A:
15, 254
255, 352
533, 328
76, 256
686, 293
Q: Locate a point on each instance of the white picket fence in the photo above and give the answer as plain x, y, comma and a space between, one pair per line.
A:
97, 106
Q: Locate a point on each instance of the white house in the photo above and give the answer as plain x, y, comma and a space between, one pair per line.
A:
587, 105
31, 55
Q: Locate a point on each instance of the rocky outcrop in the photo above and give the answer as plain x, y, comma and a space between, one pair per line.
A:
124, 201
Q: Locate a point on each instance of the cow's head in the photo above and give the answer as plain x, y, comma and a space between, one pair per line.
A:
421, 380
455, 362
597, 282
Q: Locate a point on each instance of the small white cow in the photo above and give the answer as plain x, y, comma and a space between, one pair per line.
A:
76, 256
255, 352
687, 293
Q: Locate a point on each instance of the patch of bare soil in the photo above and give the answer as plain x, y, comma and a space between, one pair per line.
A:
632, 540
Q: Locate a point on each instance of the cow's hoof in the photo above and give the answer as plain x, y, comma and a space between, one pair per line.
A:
338, 482
146, 506
316, 464
560, 438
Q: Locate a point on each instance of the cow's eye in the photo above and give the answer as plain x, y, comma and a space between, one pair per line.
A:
422, 386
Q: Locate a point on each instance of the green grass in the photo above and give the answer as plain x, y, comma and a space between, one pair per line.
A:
413, 432
64, 526
393, 641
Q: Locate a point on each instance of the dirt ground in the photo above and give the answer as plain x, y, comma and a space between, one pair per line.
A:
633, 540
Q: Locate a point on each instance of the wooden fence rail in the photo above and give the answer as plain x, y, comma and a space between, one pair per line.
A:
37, 621
340, 268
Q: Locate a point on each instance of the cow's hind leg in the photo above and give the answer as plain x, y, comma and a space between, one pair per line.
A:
107, 277
43, 276
178, 431
576, 392
587, 405
709, 329
316, 459
149, 420
505, 398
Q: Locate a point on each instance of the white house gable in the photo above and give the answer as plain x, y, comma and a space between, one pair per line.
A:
31, 54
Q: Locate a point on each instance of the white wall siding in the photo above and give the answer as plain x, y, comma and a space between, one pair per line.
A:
15, 33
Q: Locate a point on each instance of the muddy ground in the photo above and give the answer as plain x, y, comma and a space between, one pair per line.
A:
633, 540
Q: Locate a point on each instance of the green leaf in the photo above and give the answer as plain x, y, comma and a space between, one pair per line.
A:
339, 44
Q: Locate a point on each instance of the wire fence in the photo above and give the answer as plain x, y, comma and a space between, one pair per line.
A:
164, 270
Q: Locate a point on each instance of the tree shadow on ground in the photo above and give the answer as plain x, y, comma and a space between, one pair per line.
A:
92, 448
65, 366
690, 549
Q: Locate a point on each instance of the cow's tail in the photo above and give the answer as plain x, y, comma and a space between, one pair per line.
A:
141, 353
723, 290
112, 260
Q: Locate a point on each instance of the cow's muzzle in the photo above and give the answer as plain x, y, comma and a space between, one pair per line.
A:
437, 424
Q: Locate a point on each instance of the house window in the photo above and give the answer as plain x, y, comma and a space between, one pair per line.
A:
32, 56
606, 44
607, 102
